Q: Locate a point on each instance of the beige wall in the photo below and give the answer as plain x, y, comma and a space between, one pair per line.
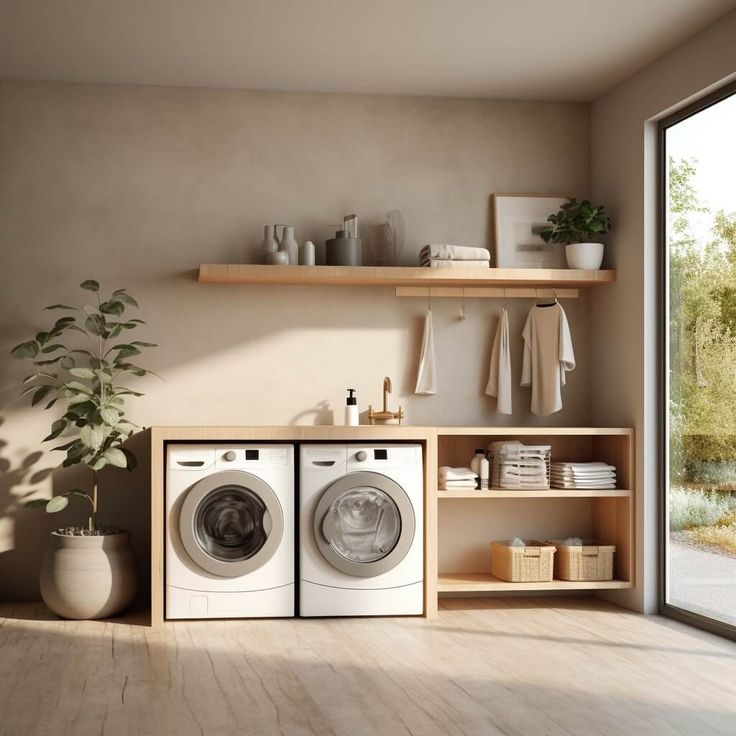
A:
624, 317
136, 186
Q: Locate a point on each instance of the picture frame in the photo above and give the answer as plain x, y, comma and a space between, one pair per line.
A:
517, 220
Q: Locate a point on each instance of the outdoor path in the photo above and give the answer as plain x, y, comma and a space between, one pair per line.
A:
702, 581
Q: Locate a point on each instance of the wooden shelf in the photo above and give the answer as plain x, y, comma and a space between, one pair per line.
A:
399, 276
540, 431
465, 582
551, 493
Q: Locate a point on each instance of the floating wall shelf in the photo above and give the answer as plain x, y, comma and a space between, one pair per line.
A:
400, 276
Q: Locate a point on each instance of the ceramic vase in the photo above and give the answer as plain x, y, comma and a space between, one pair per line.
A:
585, 256
289, 245
269, 244
307, 254
88, 577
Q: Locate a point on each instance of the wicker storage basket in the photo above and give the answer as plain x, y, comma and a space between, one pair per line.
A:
593, 560
531, 564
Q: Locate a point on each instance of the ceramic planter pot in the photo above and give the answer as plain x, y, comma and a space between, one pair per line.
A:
88, 577
586, 256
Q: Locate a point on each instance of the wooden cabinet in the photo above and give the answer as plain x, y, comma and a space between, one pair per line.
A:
467, 521
460, 525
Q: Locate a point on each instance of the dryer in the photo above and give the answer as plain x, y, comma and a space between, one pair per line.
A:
229, 531
361, 530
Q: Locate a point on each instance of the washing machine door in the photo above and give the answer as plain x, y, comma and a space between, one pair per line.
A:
364, 524
231, 523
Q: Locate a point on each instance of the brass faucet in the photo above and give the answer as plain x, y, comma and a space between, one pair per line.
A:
385, 414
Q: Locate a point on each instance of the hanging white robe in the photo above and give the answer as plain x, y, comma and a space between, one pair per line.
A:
548, 356
499, 375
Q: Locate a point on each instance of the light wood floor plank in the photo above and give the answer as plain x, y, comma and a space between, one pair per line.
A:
485, 667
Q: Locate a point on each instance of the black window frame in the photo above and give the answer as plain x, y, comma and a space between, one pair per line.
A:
667, 609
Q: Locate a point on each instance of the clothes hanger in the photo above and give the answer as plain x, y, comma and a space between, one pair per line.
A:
550, 304
462, 307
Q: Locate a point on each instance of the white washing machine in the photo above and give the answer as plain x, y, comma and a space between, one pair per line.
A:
361, 530
229, 531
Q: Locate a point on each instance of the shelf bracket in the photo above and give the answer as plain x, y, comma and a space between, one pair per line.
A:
473, 292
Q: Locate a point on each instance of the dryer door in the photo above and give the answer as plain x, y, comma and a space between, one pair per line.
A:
231, 523
364, 524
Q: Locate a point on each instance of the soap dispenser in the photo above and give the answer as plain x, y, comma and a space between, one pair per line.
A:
352, 415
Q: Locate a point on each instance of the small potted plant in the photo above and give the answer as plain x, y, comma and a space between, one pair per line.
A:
577, 225
89, 571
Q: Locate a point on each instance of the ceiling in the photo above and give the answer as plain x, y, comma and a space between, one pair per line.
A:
514, 49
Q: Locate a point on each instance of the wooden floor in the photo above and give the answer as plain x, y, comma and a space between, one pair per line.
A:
522, 667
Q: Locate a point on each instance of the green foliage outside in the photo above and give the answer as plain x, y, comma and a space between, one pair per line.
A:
702, 331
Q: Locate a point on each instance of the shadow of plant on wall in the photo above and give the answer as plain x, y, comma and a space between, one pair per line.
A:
28, 538
126, 503
12, 478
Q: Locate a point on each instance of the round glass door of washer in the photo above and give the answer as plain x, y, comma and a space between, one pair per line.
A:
231, 523
364, 524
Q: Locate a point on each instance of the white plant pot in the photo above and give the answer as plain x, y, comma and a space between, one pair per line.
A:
585, 256
88, 577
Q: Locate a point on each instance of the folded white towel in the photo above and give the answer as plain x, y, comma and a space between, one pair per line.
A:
584, 468
459, 485
587, 476
447, 252
575, 487
448, 473
456, 264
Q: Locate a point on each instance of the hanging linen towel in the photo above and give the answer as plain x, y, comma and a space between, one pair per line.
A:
548, 356
427, 374
499, 375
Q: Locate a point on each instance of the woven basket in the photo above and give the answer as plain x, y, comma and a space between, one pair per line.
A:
591, 561
531, 564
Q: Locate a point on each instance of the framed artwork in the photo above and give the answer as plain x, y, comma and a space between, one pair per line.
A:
517, 222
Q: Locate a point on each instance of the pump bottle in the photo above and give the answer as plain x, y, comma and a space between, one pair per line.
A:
352, 415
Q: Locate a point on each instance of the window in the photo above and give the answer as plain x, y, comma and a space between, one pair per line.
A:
698, 165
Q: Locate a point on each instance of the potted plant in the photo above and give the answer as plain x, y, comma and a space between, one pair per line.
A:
577, 225
89, 571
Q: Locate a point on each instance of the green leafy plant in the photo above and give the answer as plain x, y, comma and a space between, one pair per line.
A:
576, 222
86, 381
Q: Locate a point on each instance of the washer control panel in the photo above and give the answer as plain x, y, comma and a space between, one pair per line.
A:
247, 456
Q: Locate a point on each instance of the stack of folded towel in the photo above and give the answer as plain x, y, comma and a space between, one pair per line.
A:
518, 466
454, 256
457, 479
581, 476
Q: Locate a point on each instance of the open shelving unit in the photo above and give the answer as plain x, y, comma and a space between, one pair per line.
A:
468, 520
487, 583
551, 493
401, 276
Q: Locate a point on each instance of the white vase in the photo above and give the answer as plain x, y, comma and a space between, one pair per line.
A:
88, 577
307, 254
289, 245
269, 244
584, 256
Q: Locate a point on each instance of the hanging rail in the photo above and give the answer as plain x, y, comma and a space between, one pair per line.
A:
477, 292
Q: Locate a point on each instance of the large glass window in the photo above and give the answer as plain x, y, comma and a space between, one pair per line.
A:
699, 165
